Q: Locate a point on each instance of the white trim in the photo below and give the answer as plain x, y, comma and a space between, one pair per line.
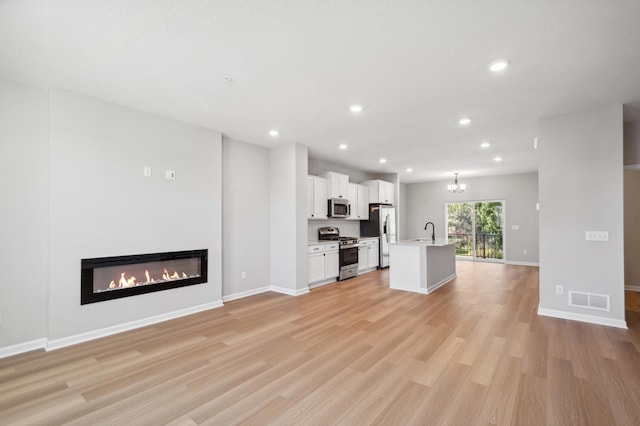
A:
108, 331
23, 347
632, 287
593, 319
518, 263
632, 167
247, 293
441, 283
321, 283
289, 292
420, 290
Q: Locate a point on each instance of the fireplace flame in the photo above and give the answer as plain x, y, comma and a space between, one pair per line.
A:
125, 282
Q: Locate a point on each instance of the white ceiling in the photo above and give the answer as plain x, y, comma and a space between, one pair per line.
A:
296, 65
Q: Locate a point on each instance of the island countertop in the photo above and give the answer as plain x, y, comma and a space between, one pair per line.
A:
427, 242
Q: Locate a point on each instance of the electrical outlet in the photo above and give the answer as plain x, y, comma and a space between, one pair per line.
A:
515, 227
524, 251
597, 236
244, 275
559, 289
0, 319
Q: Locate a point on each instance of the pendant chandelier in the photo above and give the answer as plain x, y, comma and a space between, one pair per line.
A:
456, 187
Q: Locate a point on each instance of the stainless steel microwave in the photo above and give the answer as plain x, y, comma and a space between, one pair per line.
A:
338, 207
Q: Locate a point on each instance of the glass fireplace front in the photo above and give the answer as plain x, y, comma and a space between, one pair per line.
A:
108, 278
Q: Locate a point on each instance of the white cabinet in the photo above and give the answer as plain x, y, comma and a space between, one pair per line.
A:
331, 264
358, 196
363, 202
316, 197
323, 262
374, 255
316, 267
336, 184
381, 191
368, 256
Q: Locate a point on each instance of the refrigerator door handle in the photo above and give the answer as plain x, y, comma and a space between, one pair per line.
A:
386, 221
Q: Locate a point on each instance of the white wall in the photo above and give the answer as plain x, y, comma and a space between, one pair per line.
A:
23, 216
245, 217
402, 212
425, 202
581, 189
288, 200
317, 167
101, 205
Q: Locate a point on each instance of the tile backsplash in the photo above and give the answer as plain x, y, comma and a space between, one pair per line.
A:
348, 228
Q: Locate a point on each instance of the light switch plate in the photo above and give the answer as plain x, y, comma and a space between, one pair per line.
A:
147, 171
170, 174
515, 227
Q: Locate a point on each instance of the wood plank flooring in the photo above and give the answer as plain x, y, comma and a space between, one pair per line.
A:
472, 353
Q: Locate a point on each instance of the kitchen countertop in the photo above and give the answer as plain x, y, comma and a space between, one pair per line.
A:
314, 242
439, 242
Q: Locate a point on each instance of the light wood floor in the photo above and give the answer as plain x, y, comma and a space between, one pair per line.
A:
474, 352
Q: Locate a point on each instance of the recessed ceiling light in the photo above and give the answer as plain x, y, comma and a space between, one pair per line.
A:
274, 133
499, 65
409, 170
383, 160
464, 121
343, 146
497, 159
355, 108
485, 145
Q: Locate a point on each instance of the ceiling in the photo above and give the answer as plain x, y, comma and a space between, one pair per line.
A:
416, 67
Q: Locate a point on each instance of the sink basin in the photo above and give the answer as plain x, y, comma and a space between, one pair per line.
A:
422, 239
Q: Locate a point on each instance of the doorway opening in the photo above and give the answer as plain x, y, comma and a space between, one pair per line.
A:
477, 228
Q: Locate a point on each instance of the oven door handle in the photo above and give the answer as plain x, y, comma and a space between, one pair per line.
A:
349, 246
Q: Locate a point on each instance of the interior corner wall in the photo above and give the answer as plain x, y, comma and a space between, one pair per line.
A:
102, 205
246, 218
427, 202
631, 138
631, 228
288, 197
581, 189
24, 173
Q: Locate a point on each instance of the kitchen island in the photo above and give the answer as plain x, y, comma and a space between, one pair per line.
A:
421, 265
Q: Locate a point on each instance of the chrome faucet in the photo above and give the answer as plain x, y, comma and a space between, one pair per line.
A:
433, 230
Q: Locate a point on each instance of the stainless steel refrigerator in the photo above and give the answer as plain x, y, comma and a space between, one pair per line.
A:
382, 224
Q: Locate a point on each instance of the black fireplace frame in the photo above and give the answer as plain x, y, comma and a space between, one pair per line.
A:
87, 294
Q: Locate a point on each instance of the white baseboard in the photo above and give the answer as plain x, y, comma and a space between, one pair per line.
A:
247, 293
108, 331
593, 319
21, 348
321, 283
289, 291
441, 283
517, 263
632, 287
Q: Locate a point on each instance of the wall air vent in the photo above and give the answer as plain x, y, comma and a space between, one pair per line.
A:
580, 299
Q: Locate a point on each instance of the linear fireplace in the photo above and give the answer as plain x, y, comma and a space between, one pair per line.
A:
107, 278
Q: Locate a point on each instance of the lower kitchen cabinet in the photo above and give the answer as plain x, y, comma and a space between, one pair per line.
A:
368, 256
323, 262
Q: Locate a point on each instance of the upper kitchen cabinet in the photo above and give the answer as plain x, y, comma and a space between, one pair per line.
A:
358, 196
380, 191
316, 197
337, 184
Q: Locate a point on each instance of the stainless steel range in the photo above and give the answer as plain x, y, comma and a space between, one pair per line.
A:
348, 251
